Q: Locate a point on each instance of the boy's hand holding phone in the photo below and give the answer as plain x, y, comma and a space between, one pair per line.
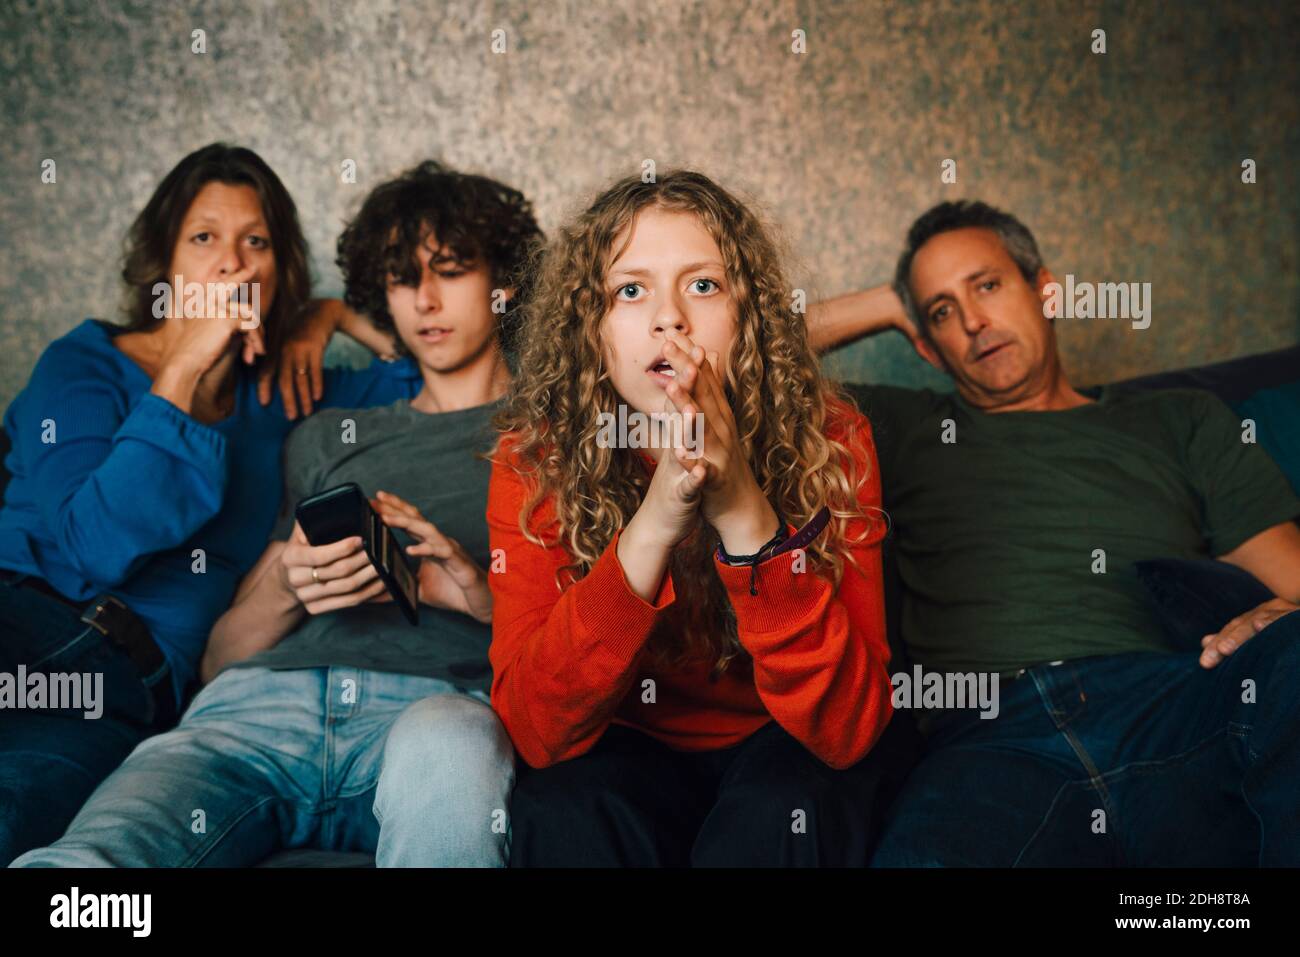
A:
326, 578
343, 512
449, 577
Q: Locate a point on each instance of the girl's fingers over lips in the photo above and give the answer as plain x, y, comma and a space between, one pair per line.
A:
683, 360
679, 358
690, 351
684, 342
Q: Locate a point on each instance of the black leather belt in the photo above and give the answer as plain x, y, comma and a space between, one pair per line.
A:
108, 615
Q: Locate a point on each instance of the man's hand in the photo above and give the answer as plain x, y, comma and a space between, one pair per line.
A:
449, 578
1241, 629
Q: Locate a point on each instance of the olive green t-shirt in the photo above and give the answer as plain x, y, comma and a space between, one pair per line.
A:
1017, 531
431, 460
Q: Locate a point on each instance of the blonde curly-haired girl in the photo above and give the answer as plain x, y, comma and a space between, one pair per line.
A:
689, 645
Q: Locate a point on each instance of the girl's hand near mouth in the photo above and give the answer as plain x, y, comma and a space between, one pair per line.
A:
670, 509
667, 515
731, 500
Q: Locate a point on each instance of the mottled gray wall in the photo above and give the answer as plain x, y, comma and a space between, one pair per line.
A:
1127, 164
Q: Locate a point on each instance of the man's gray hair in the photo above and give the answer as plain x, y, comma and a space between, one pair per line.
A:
965, 214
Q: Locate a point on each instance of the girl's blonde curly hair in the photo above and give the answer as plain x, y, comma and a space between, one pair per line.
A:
774, 386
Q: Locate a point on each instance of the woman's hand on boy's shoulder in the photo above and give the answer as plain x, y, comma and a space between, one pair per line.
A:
301, 367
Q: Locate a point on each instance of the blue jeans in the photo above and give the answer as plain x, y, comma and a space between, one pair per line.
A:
1142, 759
51, 760
411, 769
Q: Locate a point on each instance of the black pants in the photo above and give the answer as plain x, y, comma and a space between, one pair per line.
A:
634, 802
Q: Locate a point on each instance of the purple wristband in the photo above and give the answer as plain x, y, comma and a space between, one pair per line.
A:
806, 534
798, 540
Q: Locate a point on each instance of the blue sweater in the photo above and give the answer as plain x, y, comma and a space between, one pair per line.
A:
114, 488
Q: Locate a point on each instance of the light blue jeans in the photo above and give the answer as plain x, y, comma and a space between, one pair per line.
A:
412, 769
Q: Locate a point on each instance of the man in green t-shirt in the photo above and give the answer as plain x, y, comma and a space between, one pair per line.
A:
1020, 505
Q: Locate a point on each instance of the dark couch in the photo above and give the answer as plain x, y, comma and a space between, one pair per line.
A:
1263, 387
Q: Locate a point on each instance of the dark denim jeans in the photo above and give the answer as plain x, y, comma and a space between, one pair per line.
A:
51, 760
1143, 759
632, 801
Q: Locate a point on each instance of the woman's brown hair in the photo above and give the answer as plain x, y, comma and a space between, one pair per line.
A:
152, 239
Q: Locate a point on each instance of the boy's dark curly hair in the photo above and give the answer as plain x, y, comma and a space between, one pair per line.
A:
478, 219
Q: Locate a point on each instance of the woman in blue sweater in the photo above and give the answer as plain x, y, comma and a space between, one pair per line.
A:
145, 481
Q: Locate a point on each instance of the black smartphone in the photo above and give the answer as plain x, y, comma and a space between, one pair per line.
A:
344, 511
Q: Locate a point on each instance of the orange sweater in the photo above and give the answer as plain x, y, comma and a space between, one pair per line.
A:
566, 665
